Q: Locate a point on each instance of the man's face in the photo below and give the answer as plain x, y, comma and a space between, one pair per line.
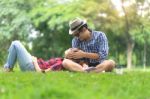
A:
82, 34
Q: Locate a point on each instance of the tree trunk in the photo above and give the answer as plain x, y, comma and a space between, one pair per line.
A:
144, 56
130, 47
129, 40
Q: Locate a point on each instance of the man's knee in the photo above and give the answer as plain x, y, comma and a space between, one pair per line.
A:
112, 63
66, 52
65, 62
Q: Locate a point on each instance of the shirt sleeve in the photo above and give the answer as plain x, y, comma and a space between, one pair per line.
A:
103, 47
74, 43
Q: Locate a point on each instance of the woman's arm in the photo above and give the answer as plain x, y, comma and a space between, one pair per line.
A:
37, 68
47, 70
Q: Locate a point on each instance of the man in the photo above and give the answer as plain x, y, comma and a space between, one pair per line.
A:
92, 49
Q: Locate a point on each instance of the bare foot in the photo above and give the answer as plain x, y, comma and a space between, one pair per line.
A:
7, 69
90, 69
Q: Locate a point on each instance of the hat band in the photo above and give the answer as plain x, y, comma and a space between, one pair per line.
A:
77, 26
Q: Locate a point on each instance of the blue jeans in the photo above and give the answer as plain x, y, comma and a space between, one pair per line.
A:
17, 52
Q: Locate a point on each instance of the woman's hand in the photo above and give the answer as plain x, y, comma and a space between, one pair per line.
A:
34, 59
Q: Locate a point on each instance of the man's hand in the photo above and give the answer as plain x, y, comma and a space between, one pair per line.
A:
78, 55
69, 52
74, 53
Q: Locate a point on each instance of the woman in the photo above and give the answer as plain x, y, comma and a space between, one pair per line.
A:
29, 63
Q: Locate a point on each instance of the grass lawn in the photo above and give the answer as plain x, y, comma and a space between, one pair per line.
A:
69, 85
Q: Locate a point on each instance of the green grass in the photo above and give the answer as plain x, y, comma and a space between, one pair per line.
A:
69, 85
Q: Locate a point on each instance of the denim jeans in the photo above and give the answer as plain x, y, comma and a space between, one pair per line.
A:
17, 52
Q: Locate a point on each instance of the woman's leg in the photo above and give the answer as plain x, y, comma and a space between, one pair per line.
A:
18, 52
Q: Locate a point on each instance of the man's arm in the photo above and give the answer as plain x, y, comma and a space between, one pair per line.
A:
91, 55
102, 48
81, 54
74, 53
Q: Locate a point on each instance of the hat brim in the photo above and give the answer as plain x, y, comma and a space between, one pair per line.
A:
71, 32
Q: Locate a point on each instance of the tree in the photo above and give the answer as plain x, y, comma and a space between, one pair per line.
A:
51, 19
15, 23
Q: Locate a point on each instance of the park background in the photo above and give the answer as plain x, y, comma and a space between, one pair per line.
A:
43, 25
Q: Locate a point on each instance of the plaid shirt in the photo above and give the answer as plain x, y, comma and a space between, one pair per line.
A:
54, 63
97, 44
